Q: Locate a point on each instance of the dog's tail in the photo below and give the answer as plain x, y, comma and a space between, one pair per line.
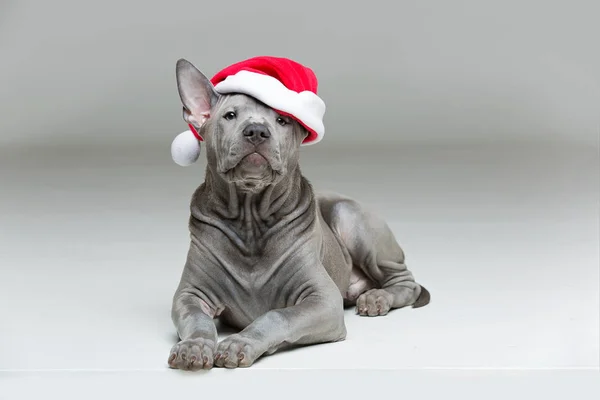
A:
423, 299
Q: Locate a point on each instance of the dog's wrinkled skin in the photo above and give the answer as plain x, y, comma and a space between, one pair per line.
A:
267, 255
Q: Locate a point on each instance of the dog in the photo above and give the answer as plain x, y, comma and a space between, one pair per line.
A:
268, 255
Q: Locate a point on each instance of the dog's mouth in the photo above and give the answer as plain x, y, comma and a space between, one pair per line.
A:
252, 163
252, 171
254, 160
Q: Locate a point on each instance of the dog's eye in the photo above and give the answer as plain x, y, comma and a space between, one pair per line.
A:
229, 116
281, 121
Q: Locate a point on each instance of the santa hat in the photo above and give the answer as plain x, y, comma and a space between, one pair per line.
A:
287, 86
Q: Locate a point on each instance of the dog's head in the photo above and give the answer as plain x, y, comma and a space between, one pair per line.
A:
247, 142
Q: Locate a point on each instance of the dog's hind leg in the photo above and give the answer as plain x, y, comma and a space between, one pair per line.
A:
377, 256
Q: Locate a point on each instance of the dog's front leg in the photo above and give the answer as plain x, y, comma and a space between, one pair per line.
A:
197, 331
318, 318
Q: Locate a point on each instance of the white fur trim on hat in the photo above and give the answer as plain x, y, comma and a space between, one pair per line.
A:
305, 106
185, 148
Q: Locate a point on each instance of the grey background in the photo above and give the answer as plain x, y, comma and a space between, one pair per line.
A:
389, 70
472, 126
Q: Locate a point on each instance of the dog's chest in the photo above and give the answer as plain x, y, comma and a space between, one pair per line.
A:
257, 285
259, 275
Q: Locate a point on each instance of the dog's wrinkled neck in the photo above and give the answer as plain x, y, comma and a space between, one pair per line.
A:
252, 221
254, 216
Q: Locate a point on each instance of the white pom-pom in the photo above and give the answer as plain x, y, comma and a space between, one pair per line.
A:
185, 149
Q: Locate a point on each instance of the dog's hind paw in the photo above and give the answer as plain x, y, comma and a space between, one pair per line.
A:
374, 302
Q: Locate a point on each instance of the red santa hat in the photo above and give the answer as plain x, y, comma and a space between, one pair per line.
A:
287, 86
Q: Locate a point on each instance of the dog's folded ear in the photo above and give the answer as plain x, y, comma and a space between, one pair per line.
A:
197, 93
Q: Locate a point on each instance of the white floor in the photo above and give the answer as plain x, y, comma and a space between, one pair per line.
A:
505, 237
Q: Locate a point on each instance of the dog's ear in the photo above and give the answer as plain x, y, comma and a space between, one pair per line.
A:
197, 93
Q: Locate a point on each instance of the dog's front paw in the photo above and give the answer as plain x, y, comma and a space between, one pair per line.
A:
236, 351
192, 355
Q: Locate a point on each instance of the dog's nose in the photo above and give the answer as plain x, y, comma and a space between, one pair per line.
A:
256, 133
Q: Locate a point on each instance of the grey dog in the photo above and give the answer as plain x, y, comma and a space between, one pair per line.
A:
268, 255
